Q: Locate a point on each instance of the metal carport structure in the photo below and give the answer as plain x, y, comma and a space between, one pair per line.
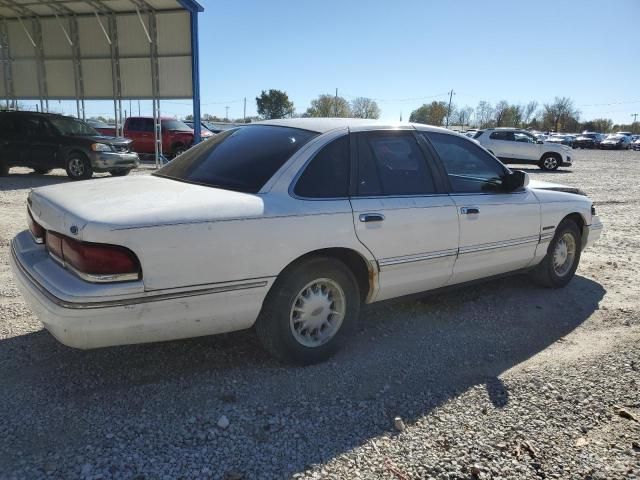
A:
101, 50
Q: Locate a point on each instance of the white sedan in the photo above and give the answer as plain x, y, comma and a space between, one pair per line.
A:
288, 226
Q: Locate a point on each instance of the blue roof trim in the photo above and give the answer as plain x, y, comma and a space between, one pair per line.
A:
191, 5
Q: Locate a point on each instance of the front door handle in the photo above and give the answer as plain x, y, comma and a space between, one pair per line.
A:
469, 210
371, 217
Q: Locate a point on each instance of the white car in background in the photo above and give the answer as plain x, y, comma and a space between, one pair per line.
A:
512, 145
288, 226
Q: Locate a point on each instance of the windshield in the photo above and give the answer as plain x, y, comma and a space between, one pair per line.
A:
73, 127
176, 125
241, 159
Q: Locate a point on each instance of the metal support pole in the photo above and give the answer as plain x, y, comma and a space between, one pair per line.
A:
7, 64
42, 71
77, 65
195, 77
155, 87
115, 72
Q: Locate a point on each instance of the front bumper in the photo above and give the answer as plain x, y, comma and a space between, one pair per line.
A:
85, 315
567, 161
108, 161
591, 233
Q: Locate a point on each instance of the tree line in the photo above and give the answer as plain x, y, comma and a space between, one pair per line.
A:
560, 115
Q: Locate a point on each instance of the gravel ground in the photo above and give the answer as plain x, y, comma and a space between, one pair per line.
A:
502, 380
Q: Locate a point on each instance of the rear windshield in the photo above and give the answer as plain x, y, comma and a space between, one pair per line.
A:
176, 125
242, 159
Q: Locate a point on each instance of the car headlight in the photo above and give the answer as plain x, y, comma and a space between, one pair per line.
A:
100, 147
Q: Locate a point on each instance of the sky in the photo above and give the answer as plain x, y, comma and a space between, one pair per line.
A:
408, 52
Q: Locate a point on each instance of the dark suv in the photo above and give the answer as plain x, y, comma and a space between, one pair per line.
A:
45, 141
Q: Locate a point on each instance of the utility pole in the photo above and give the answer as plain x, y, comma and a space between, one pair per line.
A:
244, 114
635, 119
451, 93
227, 114
138, 107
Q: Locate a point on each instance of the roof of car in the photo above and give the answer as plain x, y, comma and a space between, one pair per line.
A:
322, 125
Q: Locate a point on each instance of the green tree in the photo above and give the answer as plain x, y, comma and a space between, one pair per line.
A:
431, 114
329, 106
362, 107
274, 104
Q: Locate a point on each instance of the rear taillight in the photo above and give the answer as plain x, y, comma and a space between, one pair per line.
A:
36, 229
94, 262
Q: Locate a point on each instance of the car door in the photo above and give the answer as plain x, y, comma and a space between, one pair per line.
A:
525, 147
402, 213
499, 230
43, 142
141, 130
501, 143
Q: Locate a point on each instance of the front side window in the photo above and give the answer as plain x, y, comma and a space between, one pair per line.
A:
392, 164
242, 159
327, 175
469, 168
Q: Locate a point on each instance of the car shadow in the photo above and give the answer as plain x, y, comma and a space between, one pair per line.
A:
409, 357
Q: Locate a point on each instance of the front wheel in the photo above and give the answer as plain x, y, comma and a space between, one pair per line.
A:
549, 162
310, 312
563, 255
79, 167
178, 150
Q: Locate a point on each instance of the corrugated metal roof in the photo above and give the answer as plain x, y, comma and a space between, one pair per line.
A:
49, 8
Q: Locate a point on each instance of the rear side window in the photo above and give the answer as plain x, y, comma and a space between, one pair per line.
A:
478, 133
392, 164
140, 125
499, 135
242, 159
327, 175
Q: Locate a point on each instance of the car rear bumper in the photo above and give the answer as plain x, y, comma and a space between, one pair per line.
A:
98, 320
108, 161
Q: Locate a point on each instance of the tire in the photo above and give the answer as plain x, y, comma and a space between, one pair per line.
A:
178, 149
41, 171
78, 167
549, 162
122, 172
328, 284
550, 272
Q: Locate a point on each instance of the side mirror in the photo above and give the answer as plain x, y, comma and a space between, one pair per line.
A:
515, 180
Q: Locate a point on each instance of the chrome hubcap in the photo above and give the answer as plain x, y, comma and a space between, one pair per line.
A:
550, 163
76, 167
564, 254
317, 312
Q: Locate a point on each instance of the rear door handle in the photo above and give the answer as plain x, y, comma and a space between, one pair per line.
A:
371, 217
469, 210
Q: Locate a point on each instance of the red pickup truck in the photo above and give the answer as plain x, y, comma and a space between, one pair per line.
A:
176, 135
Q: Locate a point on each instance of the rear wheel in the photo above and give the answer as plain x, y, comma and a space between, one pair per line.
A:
41, 171
549, 162
563, 255
310, 312
79, 167
121, 172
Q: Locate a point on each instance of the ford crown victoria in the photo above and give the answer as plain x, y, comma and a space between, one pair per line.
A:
288, 226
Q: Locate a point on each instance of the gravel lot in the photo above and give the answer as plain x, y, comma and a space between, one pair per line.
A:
502, 380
